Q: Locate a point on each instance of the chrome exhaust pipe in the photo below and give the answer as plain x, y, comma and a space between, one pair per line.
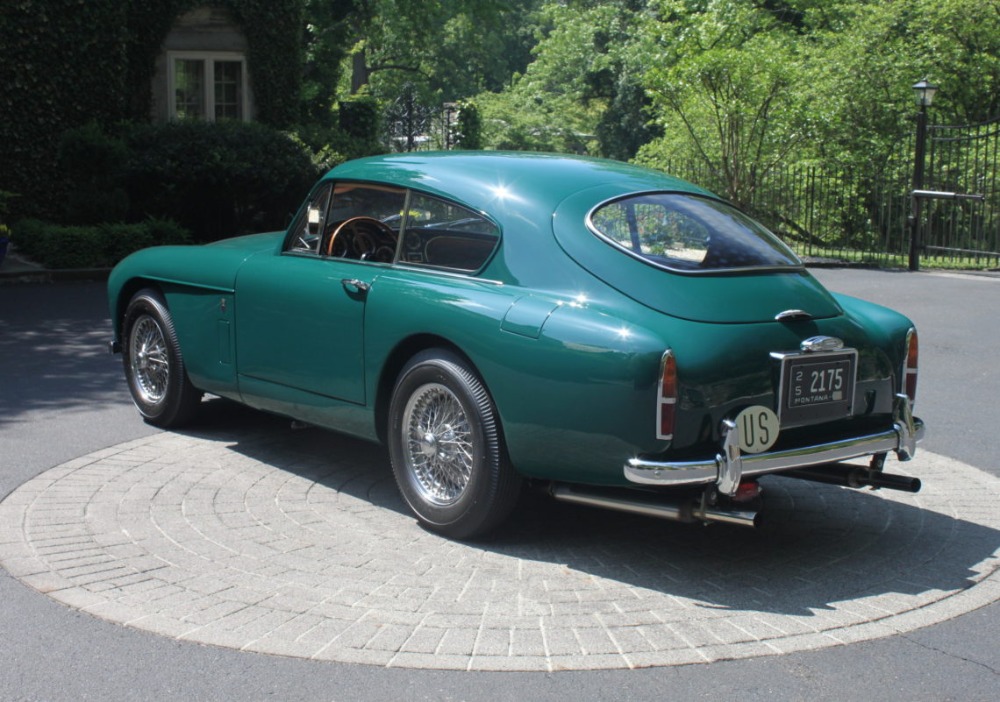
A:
650, 505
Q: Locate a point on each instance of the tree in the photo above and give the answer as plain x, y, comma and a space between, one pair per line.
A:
448, 49
325, 37
722, 81
581, 92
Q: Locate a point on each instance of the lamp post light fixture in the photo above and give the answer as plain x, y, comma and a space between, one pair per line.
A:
924, 92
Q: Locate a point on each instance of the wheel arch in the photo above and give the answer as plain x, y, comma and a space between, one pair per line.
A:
126, 292
176, 401
393, 366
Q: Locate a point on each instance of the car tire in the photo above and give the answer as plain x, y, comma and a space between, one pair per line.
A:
154, 367
446, 447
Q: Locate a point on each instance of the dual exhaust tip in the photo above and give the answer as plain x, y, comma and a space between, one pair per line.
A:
651, 505
692, 510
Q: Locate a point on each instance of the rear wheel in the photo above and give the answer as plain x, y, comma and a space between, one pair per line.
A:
446, 447
154, 367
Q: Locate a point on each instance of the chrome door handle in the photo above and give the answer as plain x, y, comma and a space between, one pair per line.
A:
355, 286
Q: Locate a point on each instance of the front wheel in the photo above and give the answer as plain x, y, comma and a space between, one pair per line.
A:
446, 448
154, 367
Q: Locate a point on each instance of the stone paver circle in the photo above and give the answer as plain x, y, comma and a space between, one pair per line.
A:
295, 543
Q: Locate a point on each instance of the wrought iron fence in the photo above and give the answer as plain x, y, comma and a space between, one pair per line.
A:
826, 215
863, 215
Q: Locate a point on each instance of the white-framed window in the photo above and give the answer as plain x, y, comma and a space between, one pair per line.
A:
207, 85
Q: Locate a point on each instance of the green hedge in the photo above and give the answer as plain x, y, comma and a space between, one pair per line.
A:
92, 164
218, 180
470, 127
61, 247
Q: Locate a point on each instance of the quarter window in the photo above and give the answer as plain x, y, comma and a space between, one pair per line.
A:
444, 235
307, 230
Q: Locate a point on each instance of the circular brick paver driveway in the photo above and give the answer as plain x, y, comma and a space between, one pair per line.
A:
296, 543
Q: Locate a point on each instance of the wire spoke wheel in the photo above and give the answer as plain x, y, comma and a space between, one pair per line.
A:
447, 450
439, 444
154, 366
147, 349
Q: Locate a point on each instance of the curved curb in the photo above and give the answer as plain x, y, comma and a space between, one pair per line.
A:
296, 544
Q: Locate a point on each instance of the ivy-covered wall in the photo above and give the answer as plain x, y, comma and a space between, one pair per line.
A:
64, 63
57, 70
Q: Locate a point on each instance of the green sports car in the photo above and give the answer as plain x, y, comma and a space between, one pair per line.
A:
616, 336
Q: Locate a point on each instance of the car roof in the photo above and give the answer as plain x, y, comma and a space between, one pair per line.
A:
493, 181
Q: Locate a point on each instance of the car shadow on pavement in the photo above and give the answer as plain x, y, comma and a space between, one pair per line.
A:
819, 544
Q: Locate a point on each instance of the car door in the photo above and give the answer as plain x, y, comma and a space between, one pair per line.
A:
300, 325
300, 313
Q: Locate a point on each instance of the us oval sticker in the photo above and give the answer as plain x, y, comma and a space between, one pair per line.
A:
758, 426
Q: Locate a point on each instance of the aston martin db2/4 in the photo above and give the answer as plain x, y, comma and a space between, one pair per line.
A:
617, 336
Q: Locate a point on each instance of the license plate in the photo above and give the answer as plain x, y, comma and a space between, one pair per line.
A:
817, 388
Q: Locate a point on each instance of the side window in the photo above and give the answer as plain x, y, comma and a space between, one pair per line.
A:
444, 235
308, 226
363, 222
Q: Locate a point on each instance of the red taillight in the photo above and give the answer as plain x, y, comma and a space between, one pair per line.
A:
910, 365
667, 397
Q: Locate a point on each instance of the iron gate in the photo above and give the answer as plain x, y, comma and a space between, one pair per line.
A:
960, 218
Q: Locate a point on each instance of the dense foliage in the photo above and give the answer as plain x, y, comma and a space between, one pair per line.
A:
738, 89
97, 246
745, 86
55, 73
66, 63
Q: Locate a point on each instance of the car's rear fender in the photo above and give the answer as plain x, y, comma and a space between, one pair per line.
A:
543, 366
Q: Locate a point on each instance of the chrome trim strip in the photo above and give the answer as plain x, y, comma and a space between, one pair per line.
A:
729, 466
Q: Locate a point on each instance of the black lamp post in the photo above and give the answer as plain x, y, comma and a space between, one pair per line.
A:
924, 92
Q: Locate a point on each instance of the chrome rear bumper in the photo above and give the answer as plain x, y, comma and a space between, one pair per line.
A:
730, 466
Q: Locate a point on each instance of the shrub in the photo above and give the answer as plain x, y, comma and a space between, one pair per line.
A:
470, 127
102, 246
218, 180
92, 165
322, 145
359, 119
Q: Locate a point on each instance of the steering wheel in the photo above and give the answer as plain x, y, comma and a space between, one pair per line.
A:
363, 229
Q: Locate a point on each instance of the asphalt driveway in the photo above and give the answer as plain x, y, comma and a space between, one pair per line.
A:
62, 396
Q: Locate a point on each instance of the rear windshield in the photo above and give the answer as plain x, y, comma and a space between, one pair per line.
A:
689, 234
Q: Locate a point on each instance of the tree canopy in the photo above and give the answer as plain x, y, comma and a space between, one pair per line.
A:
741, 86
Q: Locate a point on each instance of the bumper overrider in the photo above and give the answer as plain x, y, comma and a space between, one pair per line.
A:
730, 466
